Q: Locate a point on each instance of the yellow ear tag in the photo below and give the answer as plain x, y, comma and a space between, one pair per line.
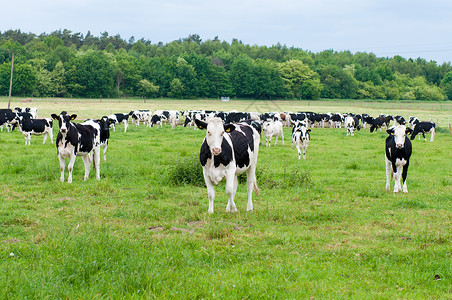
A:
228, 130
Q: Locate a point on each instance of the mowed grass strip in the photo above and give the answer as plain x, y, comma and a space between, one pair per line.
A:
323, 228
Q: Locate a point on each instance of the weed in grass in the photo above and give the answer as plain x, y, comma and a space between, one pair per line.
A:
186, 170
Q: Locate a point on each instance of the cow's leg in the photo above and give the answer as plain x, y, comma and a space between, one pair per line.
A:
62, 166
70, 167
231, 189
105, 152
96, 161
126, 124
276, 139
282, 137
388, 173
45, 138
114, 128
423, 135
250, 182
51, 135
299, 151
210, 191
87, 162
397, 177
432, 136
404, 176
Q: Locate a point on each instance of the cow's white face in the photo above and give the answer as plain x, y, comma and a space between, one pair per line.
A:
215, 133
304, 133
399, 136
64, 121
266, 125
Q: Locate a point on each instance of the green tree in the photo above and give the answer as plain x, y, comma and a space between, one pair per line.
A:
300, 80
91, 75
447, 85
176, 88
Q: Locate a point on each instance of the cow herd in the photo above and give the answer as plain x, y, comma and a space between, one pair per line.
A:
232, 140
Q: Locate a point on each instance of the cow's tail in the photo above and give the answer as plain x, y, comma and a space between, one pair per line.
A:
256, 189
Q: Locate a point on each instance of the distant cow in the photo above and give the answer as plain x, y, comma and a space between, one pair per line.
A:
229, 150
382, 121
301, 136
118, 119
398, 152
399, 120
77, 140
422, 128
272, 128
351, 124
31, 110
32, 126
367, 120
8, 118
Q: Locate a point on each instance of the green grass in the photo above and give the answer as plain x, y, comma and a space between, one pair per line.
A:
322, 228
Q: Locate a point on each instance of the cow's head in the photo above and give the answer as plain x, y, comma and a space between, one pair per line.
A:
64, 121
105, 123
266, 124
399, 133
215, 132
304, 133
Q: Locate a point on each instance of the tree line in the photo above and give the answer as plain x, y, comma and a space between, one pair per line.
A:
67, 64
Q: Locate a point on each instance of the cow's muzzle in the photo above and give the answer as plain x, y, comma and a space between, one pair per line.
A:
216, 151
399, 146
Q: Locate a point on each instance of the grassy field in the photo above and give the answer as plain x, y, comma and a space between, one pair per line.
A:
322, 228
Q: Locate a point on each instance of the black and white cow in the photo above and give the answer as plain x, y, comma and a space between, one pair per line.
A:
229, 150
104, 124
118, 119
31, 126
301, 136
399, 120
351, 124
382, 121
397, 157
77, 140
367, 120
8, 118
273, 129
31, 110
422, 128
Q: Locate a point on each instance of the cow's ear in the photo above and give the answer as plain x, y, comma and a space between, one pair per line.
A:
390, 131
73, 117
408, 131
229, 127
54, 116
201, 124
309, 130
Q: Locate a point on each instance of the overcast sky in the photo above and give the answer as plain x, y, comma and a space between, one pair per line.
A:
409, 28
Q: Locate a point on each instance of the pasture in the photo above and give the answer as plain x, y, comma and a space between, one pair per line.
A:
322, 228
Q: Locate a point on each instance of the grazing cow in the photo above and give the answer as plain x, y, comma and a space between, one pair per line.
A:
398, 152
236, 117
351, 124
77, 140
227, 151
380, 121
412, 121
140, 115
31, 126
336, 120
272, 128
118, 119
164, 116
399, 120
367, 120
422, 128
301, 137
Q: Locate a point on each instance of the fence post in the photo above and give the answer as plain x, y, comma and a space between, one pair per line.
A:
450, 129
